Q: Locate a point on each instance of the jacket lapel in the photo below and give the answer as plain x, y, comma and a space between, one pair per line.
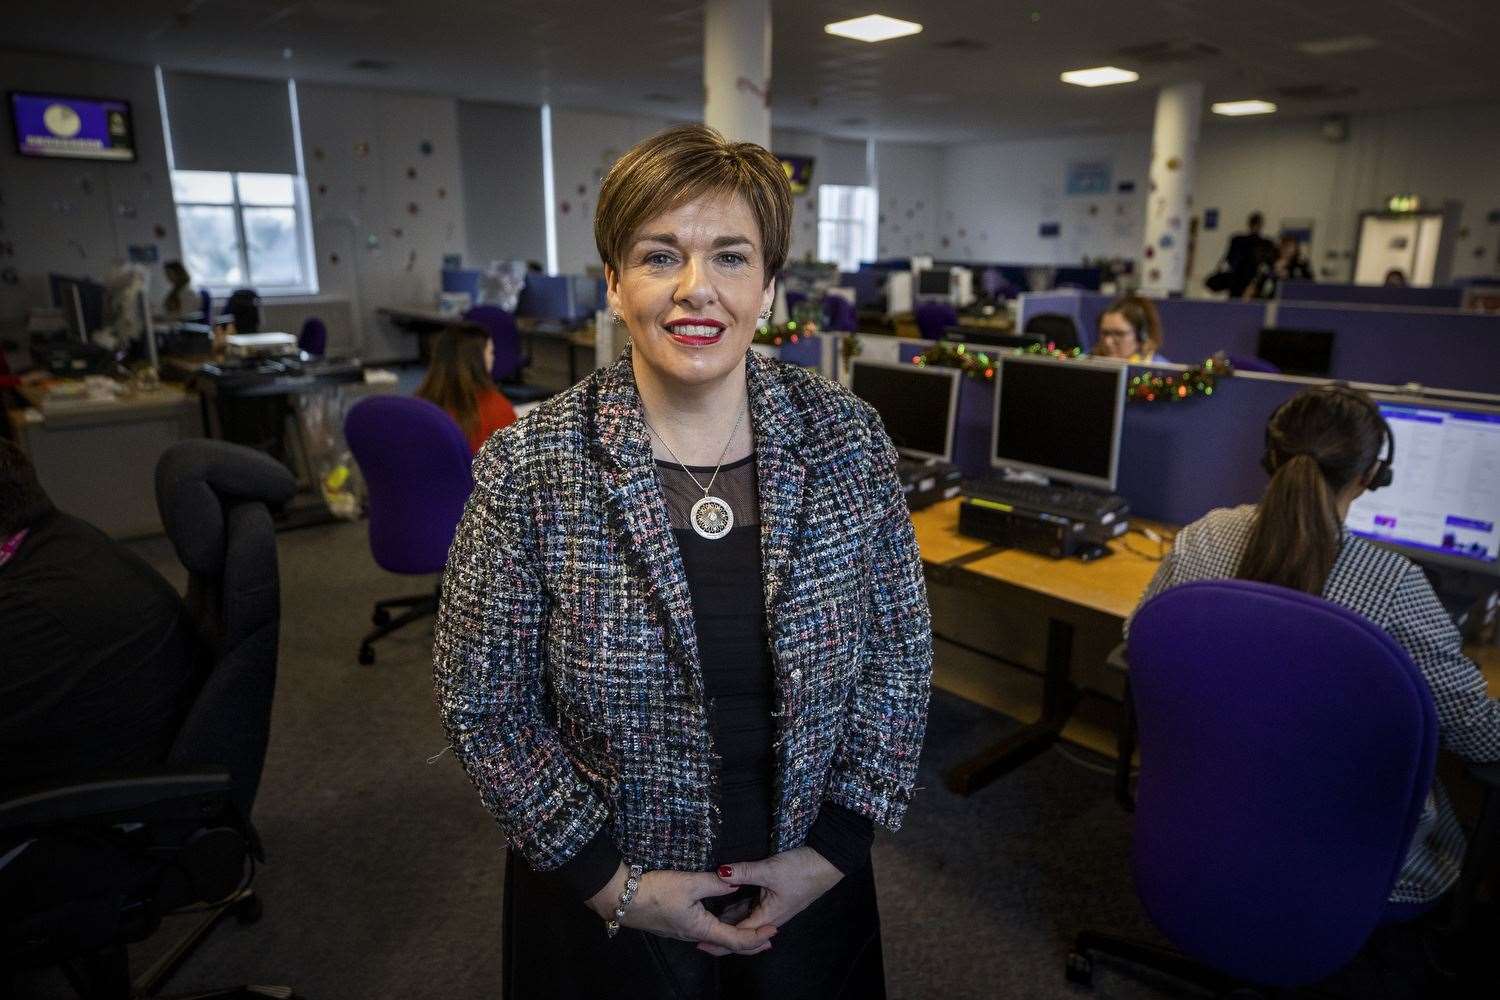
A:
638, 512
782, 473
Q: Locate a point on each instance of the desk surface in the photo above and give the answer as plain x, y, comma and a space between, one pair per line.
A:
937, 534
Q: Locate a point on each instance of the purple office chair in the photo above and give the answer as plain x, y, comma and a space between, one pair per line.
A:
509, 359
839, 315
1287, 748
314, 337
793, 300
935, 317
416, 467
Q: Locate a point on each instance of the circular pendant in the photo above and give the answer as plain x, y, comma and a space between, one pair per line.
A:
711, 517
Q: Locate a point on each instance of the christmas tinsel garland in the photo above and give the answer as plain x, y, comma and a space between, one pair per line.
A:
1151, 387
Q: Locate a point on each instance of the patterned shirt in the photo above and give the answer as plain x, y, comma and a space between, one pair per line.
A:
1392, 592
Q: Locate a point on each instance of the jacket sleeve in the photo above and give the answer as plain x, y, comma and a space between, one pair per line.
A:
875, 765
488, 675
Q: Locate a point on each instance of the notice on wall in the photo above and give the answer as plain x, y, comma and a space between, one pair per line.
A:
1088, 177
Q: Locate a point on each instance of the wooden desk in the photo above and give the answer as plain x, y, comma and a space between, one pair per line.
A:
1073, 598
1488, 658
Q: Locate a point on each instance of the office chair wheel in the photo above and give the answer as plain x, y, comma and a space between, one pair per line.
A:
366, 655
381, 618
1080, 969
249, 910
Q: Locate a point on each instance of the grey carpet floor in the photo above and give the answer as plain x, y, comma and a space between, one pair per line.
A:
384, 874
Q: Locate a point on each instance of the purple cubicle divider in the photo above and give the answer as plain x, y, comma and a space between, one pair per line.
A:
1180, 460
1194, 329
1084, 308
1441, 297
807, 352
1445, 349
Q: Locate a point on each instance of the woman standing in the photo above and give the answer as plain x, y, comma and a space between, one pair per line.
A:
458, 380
684, 650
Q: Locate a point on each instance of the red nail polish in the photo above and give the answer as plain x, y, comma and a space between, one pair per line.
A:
725, 871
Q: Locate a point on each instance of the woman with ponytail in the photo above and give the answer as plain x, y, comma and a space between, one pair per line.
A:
1324, 448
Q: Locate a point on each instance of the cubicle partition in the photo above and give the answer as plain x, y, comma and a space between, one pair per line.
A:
1084, 308
1403, 297
1194, 329
1445, 348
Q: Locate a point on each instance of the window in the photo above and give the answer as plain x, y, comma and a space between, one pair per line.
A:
245, 230
846, 225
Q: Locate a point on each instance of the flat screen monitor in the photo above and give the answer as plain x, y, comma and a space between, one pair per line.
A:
1443, 504
916, 404
1060, 418
935, 282
547, 296
74, 128
1297, 352
82, 303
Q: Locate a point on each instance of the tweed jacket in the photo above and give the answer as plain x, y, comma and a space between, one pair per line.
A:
565, 657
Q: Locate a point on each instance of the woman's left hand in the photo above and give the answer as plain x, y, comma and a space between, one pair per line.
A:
789, 883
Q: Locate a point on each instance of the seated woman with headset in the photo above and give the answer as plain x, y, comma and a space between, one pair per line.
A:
1325, 447
1129, 330
458, 380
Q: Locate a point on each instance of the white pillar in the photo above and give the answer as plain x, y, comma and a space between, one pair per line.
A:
1169, 200
737, 69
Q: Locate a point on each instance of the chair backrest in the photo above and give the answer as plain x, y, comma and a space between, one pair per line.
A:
244, 305
416, 467
1287, 748
314, 337
215, 498
1056, 329
839, 314
505, 338
935, 317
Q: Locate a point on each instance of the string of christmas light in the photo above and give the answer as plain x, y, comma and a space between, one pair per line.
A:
775, 336
1150, 387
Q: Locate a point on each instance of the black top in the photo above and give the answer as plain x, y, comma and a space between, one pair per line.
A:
98, 666
724, 580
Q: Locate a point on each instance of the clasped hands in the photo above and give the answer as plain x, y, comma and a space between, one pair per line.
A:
670, 904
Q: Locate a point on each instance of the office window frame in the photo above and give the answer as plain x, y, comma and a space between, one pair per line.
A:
302, 234
848, 224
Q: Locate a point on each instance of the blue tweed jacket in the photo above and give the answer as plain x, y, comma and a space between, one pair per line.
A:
565, 658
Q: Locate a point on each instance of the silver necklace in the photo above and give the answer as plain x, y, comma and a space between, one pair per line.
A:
710, 517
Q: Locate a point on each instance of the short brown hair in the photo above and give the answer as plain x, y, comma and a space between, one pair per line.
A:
675, 166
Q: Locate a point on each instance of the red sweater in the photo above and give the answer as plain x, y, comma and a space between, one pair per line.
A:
493, 412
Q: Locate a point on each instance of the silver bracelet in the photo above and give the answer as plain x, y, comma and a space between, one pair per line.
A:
632, 882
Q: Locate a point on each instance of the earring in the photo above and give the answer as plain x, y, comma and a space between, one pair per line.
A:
765, 315
617, 317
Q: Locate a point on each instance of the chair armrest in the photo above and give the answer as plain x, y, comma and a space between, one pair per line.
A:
146, 796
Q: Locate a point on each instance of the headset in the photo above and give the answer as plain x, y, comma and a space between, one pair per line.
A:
1382, 475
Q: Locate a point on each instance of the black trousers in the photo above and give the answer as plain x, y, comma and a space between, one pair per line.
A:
556, 949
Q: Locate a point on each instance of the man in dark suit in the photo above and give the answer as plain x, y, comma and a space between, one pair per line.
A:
1247, 251
98, 662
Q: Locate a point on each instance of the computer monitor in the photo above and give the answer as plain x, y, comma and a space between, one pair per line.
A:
1443, 504
82, 303
935, 282
1059, 417
988, 336
547, 296
916, 404
1297, 352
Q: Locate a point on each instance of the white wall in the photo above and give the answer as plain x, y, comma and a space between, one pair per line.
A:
909, 178
504, 211
585, 144
995, 196
1288, 170
366, 171
73, 216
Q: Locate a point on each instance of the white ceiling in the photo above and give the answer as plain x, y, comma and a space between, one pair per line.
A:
647, 57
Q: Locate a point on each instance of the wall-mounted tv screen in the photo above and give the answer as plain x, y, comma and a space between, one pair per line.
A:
798, 171
74, 128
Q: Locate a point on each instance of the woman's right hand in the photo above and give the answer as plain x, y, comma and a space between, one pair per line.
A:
670, 904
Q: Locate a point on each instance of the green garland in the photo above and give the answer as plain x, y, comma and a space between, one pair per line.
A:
1150, 387
775, 336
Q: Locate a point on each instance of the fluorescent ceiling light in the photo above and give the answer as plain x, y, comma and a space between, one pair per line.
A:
872, 28
1237, 108
1337, 46
1100, 76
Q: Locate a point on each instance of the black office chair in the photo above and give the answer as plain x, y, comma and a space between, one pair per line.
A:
100, 859
1055, 329
244, 305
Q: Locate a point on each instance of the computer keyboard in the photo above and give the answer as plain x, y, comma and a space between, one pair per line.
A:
1080, 503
